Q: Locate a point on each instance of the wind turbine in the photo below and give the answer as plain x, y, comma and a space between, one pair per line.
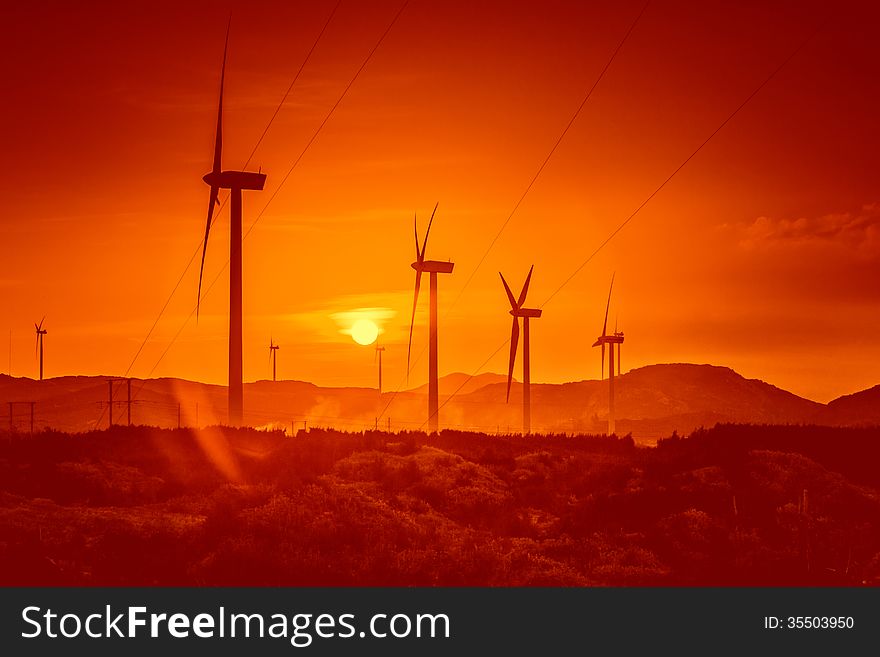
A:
39, 346
517, 310
378, 353
432, 267
615, 338
620, 333
273, 349
235, 182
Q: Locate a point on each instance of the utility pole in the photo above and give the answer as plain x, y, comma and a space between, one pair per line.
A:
30, 404
178, 415
110, 383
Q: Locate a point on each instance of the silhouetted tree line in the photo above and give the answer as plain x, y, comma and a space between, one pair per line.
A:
852, 451
729, 505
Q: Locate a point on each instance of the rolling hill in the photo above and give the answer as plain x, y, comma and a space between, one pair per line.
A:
860, 408
651, 401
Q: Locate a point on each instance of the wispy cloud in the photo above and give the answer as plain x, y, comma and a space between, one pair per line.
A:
346, 319
858, 231
332, 320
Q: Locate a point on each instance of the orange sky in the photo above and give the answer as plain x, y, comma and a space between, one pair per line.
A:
763, 254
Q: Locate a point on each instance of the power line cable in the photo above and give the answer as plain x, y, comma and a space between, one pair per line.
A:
571, 121
684, 163
623, 224
326, 119
286, 176
222, 205
250, 157
534, 179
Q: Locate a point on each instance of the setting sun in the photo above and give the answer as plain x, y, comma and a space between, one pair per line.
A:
364, 331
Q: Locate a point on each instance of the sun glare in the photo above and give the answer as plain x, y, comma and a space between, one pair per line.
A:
363, 331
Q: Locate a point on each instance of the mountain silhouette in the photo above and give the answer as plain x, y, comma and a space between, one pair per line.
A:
652, 402
860, 408
463, 384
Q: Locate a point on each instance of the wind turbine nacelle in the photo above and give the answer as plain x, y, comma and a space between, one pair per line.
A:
236, 180
526, 312
433, 266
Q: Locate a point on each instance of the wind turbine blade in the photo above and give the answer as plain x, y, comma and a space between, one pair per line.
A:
514, 341
216, 166
618, 359
509, 293
212, 201
218, 141
525, 289
419, 255
428, 232
412, 320
41, 322
608, 305
602, 369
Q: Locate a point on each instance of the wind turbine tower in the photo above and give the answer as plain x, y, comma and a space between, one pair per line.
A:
235, 182
432, 267
378, 354
518, 311
39, 346
615, 338
273, 354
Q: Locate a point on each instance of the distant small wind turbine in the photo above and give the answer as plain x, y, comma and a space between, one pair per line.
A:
614, 339
235, 182
517, 310
378, 353
39, 346
433, 267
273, 349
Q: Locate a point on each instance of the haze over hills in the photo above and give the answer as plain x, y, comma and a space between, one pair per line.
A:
462, 384
652, 402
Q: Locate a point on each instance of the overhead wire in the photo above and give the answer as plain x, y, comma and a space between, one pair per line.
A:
534, 178
656, 191
556, 144
614, 233
288, 174
223, 203
195, 253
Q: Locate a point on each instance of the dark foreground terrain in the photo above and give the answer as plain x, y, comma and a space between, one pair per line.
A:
732, 505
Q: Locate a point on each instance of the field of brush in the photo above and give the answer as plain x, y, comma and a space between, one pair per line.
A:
732, 505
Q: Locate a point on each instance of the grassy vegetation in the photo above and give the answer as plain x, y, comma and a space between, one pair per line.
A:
731, 505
